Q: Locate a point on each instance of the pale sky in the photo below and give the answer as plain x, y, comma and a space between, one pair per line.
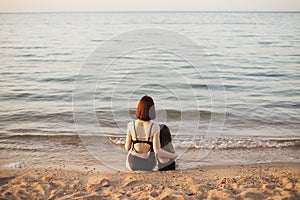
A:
147, 5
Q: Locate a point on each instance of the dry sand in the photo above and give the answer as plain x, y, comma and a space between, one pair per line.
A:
259, 181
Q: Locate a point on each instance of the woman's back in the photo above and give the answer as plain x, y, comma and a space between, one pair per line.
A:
142, 136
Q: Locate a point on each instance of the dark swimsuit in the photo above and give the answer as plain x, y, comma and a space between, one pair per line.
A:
137, 163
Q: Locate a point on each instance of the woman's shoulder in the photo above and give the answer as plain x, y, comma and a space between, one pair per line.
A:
130, 124
155, 128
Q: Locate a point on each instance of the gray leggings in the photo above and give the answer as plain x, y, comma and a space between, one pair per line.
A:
137, 163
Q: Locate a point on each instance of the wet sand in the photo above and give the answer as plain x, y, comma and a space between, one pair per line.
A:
68, 153
256, 181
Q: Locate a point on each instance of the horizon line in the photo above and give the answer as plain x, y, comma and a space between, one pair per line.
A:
150, 11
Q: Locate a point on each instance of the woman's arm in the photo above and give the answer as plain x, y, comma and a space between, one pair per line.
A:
128, 140
160, 152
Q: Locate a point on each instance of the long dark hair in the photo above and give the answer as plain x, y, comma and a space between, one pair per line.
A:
164, 136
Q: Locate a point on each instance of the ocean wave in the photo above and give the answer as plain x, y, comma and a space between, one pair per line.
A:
62, 138
113, 118
222, 143
171, 114
226, 142
28, 116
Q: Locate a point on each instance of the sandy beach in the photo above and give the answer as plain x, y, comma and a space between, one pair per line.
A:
226, 83
258, 181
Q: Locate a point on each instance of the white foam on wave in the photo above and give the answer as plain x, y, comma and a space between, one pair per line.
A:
226, 142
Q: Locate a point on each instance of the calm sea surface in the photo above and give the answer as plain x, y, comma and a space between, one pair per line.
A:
254, 56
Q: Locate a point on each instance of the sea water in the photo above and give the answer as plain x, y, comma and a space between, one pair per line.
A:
253, 59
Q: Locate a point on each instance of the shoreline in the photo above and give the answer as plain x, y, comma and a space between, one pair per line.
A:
253, 181
69, 153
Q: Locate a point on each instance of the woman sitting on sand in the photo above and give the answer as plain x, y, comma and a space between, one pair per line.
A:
166, 163
143, 138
